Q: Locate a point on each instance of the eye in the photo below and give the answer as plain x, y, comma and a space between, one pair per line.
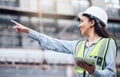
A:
81, 21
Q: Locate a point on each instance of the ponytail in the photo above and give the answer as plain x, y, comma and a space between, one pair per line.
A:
101, 30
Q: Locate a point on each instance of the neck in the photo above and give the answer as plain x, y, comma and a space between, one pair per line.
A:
92, 36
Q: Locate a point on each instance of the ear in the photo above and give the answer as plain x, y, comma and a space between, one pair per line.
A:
92, 23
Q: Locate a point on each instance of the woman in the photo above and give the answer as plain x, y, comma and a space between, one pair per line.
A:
99, 45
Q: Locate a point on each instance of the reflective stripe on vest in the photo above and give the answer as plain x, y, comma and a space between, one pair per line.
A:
98, 52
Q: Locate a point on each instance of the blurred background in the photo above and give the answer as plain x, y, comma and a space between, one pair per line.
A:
21, 56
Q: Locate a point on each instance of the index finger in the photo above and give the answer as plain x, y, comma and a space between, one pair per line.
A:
15, 22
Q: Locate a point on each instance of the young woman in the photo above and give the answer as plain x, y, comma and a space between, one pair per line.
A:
99, 46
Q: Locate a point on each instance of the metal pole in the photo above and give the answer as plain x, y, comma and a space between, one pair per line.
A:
41, 27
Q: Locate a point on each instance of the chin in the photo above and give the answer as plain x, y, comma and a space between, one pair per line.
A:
83, 34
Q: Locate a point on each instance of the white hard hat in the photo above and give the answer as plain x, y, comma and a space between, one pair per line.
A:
97, 12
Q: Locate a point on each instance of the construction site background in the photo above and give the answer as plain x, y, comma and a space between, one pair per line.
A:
21, 56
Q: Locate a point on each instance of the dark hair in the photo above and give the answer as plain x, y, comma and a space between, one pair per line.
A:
100, 27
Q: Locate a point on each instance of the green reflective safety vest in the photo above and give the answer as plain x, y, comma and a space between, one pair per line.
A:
98, 53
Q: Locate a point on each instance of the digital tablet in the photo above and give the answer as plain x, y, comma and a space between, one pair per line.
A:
87, 60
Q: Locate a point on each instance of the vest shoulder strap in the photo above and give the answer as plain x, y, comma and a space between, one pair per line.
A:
79, 46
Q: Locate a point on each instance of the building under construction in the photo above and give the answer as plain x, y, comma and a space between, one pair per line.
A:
21, 56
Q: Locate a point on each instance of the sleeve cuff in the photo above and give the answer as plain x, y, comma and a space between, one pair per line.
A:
33, 34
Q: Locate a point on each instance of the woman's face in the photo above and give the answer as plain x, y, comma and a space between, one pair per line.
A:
85, 25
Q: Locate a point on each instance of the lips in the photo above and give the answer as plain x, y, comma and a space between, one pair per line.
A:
81, 28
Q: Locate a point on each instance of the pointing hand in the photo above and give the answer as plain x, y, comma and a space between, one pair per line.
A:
19, 27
